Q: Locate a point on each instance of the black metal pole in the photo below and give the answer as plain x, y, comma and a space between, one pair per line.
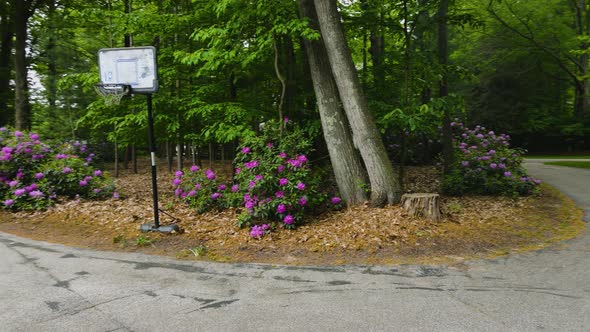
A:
153, 157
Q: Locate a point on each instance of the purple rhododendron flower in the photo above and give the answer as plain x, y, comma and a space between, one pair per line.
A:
235, 188
87, 178
194, 168
493, 165
537, 181
280, 168
302, 201
282, 155
251, 164
19, 192
336, 200
191, 193
20, 175
61, 156
7, 149
116, 195
256, 231
177, 192
8, 202
18, 134
215, 196
66, 170
221, 187
178, 174
238, 170
286, 120
176, 182
30, 188
465, 163
210, 174
96, 190
288, 219
502, 166
507, 174
302, 158
13, 183
98, 173
83, 183
245, 150
252, 184
300, 185
269, 145
279, 194
281, 208
258, 177
33, 136
39, 176
36, 194
249, 205
283, 182
197, 186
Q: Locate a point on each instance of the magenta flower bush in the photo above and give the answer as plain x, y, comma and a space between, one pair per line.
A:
275, 177
33, 174
200, 189
273, 182
486, 164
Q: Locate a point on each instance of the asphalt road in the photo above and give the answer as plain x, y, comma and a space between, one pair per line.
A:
47, 287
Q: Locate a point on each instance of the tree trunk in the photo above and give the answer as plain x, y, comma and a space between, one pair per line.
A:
22, 108
384, 186
6, 35
347, 166
443, 59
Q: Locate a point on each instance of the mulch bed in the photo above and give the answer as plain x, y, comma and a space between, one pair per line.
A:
472, 227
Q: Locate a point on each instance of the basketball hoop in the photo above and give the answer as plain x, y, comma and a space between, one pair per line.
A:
112, 93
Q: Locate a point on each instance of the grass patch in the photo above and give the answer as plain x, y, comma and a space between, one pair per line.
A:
576, 164
558, 157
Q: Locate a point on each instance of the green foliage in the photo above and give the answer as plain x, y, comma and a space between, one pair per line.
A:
485, 164
144, 241
33, 174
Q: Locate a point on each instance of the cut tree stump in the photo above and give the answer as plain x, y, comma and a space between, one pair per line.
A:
422, 205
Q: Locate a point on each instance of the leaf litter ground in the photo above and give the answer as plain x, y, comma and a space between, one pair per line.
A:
472, 227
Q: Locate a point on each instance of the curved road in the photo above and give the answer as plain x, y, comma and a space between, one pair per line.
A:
47, 287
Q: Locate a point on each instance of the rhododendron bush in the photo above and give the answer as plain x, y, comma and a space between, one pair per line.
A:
486, 164
274, 183
33, 174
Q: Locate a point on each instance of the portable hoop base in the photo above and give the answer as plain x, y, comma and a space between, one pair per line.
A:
168, 229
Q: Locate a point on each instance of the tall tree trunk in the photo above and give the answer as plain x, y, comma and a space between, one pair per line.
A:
384, 186
6, 36
51, 61
348, 168
290, 81
22, 107
582, 88
443, 59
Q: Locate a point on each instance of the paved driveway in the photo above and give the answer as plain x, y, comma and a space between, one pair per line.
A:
47, 287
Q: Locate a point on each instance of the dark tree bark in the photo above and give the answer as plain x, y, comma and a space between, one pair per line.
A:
347, 166
21, 105
384, 186
6, 41
443, 59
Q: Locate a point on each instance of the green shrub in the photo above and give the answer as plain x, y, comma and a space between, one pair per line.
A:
485, 164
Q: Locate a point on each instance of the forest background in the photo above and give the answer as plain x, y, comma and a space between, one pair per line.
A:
518, 67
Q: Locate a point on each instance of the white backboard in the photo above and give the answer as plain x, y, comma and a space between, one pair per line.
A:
134, 66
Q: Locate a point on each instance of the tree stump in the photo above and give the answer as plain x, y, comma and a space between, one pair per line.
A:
422, 205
